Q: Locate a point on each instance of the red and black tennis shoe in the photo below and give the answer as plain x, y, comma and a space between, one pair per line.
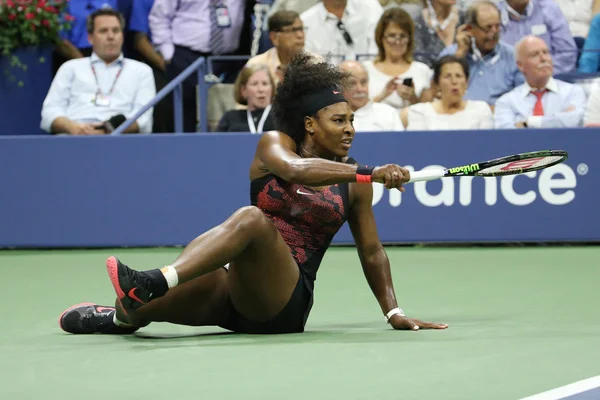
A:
89, 318
135, 288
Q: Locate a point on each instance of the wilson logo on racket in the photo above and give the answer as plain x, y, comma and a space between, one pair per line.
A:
521, 164
466, 169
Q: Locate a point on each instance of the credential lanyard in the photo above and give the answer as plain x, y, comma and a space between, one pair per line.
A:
261, 123
114, 82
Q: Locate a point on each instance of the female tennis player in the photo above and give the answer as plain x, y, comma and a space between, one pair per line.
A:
303, 188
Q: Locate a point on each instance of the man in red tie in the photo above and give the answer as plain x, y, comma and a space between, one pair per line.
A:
542, 101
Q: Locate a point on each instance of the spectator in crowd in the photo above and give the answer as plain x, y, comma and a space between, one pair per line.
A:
492, 66
93, 95
450, 111
255, 88
463, 5
298, 6
579, 14
74, 43
412, 7
286, 32
591, 116
368, 116
184, 31
341, 28
142, 44
541, 18
435, 29
395, 78
589, 62
542, 101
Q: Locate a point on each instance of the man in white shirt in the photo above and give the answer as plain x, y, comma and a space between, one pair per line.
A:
368, 116
542, 101
93, 95
591, 117
343, 29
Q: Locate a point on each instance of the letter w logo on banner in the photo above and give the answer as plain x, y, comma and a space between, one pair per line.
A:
521, 164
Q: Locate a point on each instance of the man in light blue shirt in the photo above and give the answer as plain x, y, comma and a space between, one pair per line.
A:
493, 70
542, 101
542, 18
86, 93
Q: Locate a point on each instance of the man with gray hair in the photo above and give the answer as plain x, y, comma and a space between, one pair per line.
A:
491, 62
542, 101
368, 116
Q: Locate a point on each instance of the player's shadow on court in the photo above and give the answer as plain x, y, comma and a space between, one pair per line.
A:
357, 332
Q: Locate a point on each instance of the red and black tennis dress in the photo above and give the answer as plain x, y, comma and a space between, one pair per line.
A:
307, 219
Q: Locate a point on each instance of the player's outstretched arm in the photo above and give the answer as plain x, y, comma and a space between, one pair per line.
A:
374, 260
277, 153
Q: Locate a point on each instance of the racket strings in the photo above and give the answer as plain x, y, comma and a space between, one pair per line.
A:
525, 165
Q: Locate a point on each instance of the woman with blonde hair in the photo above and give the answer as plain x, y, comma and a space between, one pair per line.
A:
394, 77
255, 88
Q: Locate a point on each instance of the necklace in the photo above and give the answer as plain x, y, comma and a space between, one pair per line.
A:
312, 154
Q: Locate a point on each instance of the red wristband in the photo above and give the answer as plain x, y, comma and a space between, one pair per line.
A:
364, 174
363, 178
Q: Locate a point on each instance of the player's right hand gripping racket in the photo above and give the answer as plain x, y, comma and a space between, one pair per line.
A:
509, 165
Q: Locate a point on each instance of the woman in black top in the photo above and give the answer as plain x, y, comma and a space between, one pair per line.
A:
254, 87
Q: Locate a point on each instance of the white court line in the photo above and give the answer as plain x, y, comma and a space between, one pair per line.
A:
568, 390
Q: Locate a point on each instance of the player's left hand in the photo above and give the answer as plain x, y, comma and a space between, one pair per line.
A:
399, 322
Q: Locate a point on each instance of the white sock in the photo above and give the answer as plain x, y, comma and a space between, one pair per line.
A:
171, 276
119, 323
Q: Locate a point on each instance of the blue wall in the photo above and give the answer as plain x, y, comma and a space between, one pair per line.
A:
166, 189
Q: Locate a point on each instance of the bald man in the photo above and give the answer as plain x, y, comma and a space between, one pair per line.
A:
368, 116
542, 101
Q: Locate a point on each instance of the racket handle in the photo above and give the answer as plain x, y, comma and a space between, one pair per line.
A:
429, 174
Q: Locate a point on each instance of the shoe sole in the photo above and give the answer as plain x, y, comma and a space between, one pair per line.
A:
112, 267
70, 309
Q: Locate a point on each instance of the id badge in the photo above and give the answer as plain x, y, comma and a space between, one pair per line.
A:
102, 100
538, 30
223, 18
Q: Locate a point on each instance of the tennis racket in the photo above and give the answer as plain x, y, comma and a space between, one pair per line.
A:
509, 165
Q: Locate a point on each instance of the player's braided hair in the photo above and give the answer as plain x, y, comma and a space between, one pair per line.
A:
304, 75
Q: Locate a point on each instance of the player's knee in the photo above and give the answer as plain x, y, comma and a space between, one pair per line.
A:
252, 220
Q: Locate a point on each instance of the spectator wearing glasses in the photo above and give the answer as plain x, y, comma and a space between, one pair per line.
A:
368, 116
286, 32
451, 111
542, 18
395, 78
542, 101
341, 28
491, 62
